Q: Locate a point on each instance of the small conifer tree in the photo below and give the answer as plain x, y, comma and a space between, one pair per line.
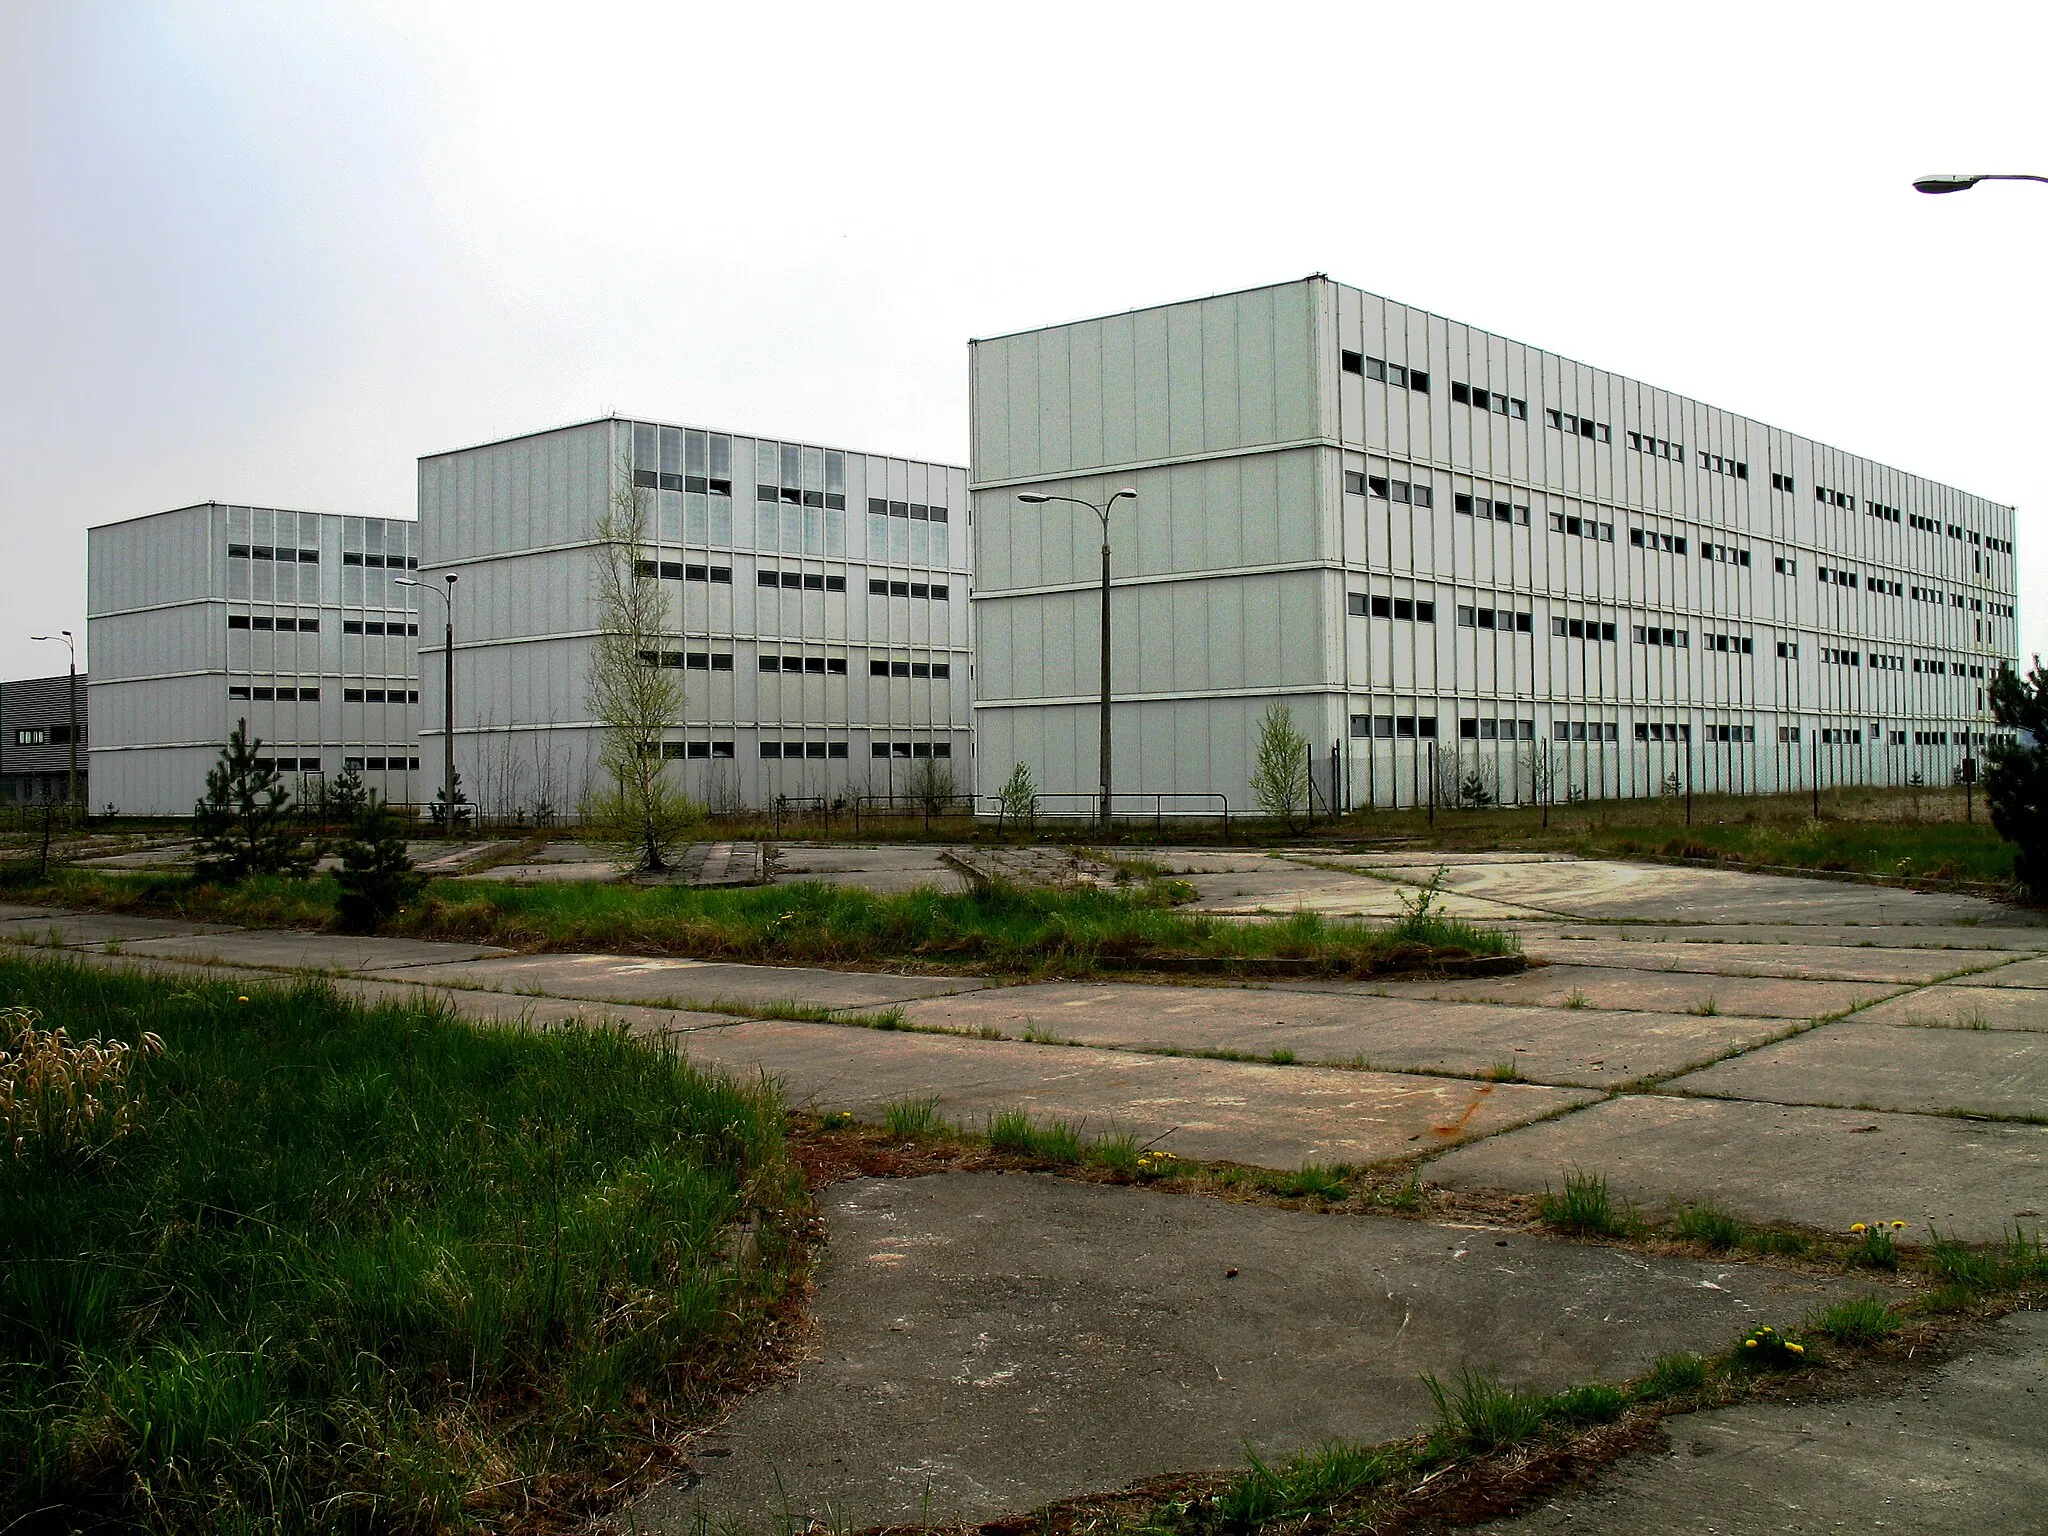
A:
2016, 776
1280, 765
376, 876
241, 822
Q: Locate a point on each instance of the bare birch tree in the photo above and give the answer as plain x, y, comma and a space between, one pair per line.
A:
634, 698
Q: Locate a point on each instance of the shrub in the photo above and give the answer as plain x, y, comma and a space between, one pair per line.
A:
1019, 796
1279, 780
2016, 772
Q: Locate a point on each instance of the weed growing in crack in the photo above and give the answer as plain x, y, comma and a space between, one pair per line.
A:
1707, 1223
1681, 1375
1482, 1415
1576, 999
1586, 1208
1860, 1320
1706, 1007
913, 1118
1877, 1248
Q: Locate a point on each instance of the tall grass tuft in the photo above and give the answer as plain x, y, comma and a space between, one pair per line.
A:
363, 1267
1586, 1208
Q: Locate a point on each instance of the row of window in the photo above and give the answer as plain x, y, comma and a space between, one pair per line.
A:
1650, 634
367, 627
1781, 482
270, 552
1485, 400
1385, 372
1883, 513
1384, 488
916, 511
911, 749
695, 661
1380, 607
372, 695
1579, 426
1495, 618
705, 485
806, 581
794, 750
698, 749
1657, 447
1394, 727
676, 570
937, 591
1583, 629
1584, 730
789, 495
275, 694
1724, 554
1728, 645
1505, 728
376, 562
819, 666
364, 764
1482, 506
266, 621
42, 736
1582, 527
1723, 466
934, 669
1649, 538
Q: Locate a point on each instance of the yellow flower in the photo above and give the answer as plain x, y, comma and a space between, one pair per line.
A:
1857, 1226
1797, 1349
1749, 1343
241, 999
1898, 1226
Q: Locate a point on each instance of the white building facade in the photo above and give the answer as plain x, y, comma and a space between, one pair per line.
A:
1459, 561
212, 614
817, 601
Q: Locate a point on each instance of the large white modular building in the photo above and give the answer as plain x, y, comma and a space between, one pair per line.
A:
1459, 561
211, 614
817, 602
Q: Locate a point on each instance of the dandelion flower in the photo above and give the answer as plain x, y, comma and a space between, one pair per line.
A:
1797, 1349
241, 999
1857, 1226
1749, 1343
1898, 1226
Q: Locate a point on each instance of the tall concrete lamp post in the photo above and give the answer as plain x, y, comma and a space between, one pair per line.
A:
1936, 185
71, 789
1034, 498
447, 697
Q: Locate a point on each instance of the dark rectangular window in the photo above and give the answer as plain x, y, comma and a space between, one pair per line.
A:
899, 589
309, 626
878, 669
1382, 607
836, 665
721, 661
1404, 608
351, 695
877, 587
1425, 613
899, 669
792, 581
766, 493
238, 621
767, 579
772, 749
1354, 604
771, 663
835, 583
814, 582
262, 621
1354, 362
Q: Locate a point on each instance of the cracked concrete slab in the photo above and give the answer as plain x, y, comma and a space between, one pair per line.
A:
659, 981
1615, 987
67, 928
1581, 1047
1820, 1168
1957, 1007
887, 869
1813, 962
1955, 1450
2021, 973
1876, 1066
1614, 888
989, 1342
1270, 1116
284, 949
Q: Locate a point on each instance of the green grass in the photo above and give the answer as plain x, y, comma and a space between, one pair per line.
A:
1586, 1208
1860, 1320
1674, 1377
1709, 1224
993, 927
371, 1268
914, 1118
1056, 1141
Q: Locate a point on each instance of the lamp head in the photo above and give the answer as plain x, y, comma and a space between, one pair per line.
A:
1940, 184
1032, 498
1130, 491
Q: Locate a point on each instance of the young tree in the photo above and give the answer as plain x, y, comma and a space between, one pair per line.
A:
636, 807
377, 876
438, 808
1280, 770
241, 821
1019, 796
347, 796
932, 786
2016, 772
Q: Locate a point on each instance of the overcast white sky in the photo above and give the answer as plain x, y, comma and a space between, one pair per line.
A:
272, 253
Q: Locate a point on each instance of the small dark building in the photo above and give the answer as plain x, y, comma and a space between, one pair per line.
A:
35, 739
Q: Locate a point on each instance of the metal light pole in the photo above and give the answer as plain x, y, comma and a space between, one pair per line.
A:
1937, 184
447, 698
71, 791
1034, 498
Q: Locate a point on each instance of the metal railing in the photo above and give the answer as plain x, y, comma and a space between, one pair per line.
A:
1086, 805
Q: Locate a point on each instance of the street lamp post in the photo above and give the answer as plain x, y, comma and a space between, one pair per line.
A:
1035, 498
71, 788
1936, 185
447, 697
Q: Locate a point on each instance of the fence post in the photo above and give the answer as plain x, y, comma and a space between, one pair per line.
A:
1432, 784
1816, 773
